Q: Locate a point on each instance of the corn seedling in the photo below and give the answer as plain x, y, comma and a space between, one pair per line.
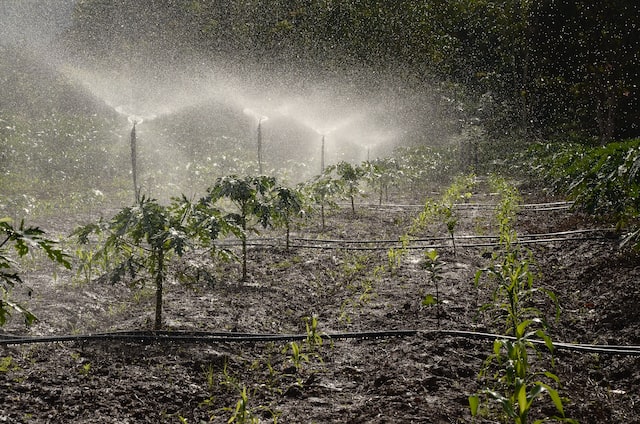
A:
506, 210
314, 337
517, 386
210, 377
241, 414
433, 265
395, 256
297, 357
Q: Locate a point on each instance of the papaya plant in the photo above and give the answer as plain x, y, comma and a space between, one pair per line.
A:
604, 180
23, 239
250, 196
350, 176
142, 238
286, 204
380, 174
322, 190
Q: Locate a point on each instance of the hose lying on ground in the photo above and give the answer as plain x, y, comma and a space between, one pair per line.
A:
225, 337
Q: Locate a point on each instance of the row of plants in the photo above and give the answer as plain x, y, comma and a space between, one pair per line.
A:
515, 375
436, 212
145, 235
139, 241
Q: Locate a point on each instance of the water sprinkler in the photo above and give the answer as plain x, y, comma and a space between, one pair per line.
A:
134, 167
260, 118
322, 156
260, 146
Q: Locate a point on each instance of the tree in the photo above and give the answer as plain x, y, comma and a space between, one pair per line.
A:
23, 240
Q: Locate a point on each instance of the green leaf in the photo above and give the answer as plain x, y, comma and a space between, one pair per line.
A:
429, 300
522, 327
474, 404
523, 404
555, 397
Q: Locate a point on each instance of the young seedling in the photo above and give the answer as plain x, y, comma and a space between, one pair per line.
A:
241, 414
433, 265
518, 386
297, 357
314, 336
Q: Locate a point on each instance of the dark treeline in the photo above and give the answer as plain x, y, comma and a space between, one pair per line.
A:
543, 69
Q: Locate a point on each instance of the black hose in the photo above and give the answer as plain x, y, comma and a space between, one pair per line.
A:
415, 243
224, 337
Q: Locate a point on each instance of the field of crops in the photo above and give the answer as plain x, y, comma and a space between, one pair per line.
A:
391, 313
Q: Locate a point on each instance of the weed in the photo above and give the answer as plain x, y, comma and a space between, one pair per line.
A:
8, 364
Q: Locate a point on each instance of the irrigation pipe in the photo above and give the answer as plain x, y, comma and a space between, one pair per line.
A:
330, 244
549, 206
216, 337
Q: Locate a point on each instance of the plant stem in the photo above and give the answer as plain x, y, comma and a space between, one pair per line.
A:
159, 281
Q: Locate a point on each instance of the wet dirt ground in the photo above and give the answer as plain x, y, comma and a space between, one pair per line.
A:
425, 377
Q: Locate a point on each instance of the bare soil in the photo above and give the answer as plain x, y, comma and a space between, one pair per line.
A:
423, 378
